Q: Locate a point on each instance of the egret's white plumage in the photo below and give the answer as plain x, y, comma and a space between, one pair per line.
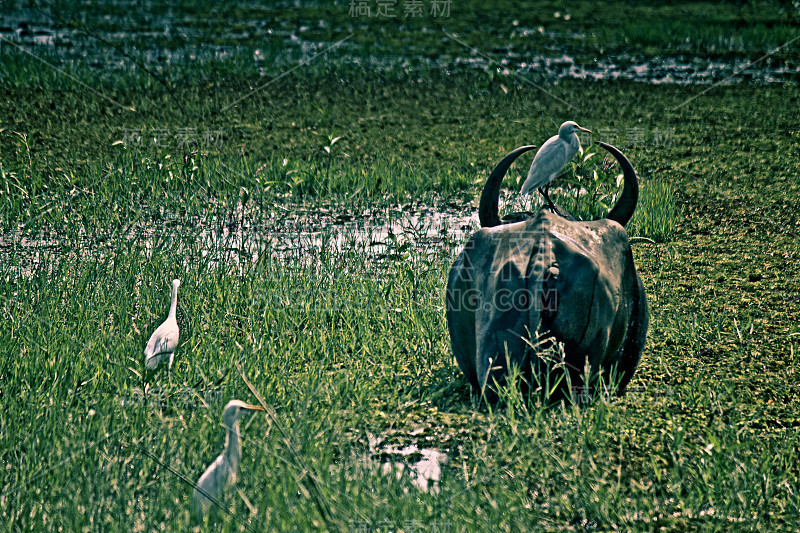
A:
552, 157
164, 339
221, 474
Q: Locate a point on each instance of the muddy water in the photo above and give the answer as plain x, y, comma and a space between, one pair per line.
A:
301, 235
422, 466
424, 473
682, 70
296, 235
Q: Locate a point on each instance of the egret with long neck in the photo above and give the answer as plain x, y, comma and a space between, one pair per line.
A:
164, 339
551, 159
221, 474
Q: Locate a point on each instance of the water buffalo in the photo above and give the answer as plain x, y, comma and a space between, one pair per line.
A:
547, 277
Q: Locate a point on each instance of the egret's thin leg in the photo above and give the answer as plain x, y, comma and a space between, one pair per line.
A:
544, 192
550, 203
169, 369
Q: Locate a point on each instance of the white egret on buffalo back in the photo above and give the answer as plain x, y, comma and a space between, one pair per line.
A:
221, 474
164, 339
551, 159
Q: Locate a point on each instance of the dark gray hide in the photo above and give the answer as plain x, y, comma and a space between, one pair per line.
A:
570, 280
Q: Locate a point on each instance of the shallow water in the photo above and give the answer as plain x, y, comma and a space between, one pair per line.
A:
377, 236
296, 235
682, 70
34, 30
424, 473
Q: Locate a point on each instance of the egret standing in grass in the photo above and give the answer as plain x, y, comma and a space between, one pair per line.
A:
551, 159
221, 474
164, 339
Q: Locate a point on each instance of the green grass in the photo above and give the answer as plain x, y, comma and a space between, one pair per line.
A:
656, 216
338, 353
347, 341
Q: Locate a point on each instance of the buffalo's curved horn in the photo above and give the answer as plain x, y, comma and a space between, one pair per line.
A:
626, 203
488, 210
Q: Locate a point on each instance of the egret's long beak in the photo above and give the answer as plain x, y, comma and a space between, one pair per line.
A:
253, 407
584, 129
